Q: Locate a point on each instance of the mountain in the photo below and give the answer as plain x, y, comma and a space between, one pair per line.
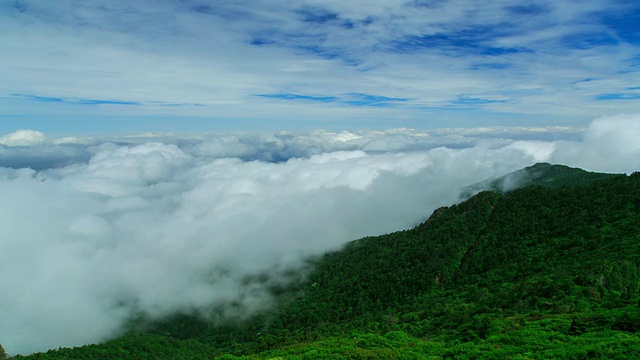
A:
548, 270
540, 174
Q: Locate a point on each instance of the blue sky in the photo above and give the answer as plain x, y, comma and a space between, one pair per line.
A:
193, 65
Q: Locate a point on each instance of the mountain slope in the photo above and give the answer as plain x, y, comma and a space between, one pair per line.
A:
540, 174
534, 250
537, 272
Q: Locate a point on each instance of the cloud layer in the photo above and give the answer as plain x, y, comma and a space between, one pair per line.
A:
159, 224
294, 62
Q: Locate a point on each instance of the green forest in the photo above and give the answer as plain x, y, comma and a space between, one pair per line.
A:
548, 270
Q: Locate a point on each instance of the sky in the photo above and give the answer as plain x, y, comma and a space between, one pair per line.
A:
154, 155
100, 66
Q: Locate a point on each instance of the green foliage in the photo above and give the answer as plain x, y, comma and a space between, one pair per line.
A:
540, 174
3, 354
140, 346
539, 272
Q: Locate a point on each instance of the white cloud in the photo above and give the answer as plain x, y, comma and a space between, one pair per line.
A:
31, 148
118, 171
178, 225
539, 151
22, 138
610, 144
166, 58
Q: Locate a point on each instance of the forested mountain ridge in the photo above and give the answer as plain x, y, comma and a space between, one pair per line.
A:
537, 272
540, 174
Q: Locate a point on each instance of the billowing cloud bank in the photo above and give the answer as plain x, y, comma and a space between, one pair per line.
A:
162, 224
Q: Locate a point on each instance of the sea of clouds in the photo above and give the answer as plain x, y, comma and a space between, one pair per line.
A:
93, 230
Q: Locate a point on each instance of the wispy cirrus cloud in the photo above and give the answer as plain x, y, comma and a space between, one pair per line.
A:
353, 99
287, 96
75, 101
220, 55
619, 96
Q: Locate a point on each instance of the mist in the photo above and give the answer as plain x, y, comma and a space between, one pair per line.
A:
94, 230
